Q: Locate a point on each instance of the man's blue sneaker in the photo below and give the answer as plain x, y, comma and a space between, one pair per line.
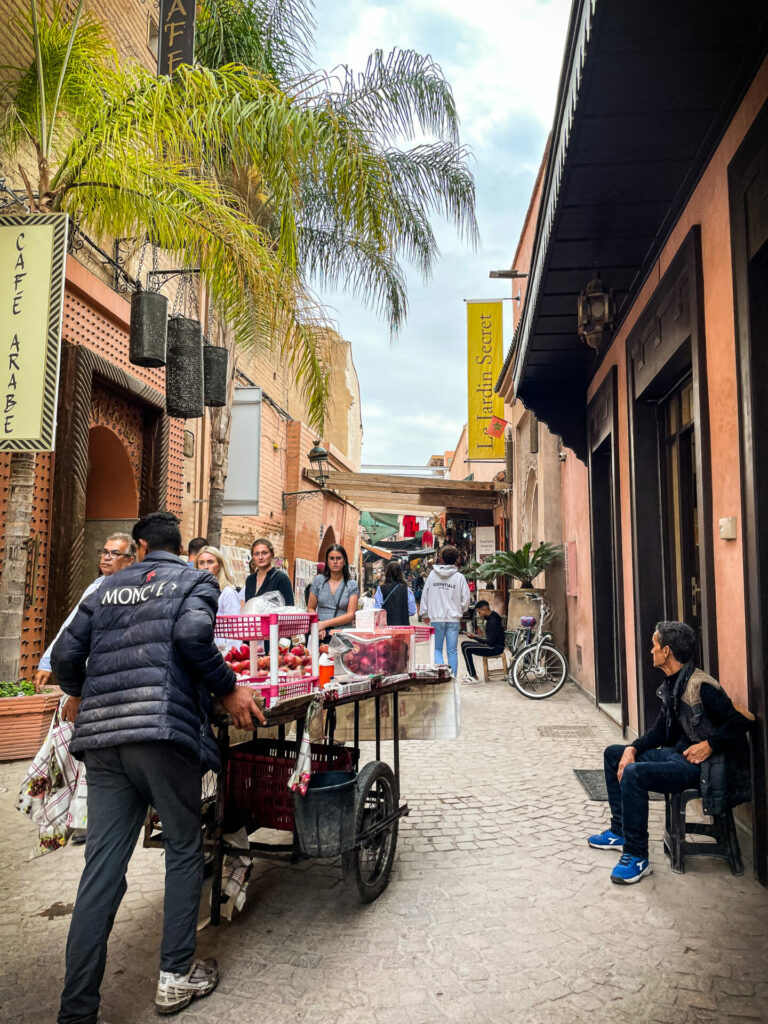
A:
630, 869
606, 841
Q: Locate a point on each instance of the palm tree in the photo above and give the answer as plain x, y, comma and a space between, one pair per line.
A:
353, 220
125, 153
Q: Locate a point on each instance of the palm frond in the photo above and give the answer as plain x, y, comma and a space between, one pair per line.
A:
91, 67
397, 95
272, 37
436, 177
333, 260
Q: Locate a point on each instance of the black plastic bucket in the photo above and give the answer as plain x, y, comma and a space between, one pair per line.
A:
325, 816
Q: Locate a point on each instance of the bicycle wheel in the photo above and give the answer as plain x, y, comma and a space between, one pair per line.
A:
539, 672
511, 668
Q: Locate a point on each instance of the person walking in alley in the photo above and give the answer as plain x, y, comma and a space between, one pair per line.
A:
194, 548
697, 725
444, 600
489, 645
53, 793
334, 595
140, 659
395, 597
266, 577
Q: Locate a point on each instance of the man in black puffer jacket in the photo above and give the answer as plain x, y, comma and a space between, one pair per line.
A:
140, 658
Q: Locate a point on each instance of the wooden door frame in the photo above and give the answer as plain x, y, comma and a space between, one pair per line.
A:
80, 368
741, 173
602, 422
667, 342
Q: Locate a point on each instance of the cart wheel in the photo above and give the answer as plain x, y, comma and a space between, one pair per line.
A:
367, 867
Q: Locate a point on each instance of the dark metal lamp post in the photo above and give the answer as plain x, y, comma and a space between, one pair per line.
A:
319, 460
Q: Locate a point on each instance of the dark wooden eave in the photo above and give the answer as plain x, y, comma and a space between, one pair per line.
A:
646, 93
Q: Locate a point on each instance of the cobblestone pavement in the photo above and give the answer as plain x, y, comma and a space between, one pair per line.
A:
497, 910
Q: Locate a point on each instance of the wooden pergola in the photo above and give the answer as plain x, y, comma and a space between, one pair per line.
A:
386, 493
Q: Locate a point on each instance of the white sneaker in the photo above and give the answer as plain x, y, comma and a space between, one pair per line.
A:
176, 991
468, 679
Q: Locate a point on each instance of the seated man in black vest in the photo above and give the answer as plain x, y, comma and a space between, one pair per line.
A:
489, 646
697, 729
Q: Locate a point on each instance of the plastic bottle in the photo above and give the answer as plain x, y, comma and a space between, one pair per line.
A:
325, 670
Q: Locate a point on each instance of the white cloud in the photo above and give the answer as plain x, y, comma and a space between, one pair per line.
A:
503, 61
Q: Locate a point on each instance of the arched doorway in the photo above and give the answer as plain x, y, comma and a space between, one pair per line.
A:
111, 494
329, 537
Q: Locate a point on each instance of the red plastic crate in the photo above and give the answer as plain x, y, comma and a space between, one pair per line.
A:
257, 793
421, 633
295, 688
256, 627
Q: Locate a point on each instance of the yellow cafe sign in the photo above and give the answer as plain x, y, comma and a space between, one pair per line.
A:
33, 252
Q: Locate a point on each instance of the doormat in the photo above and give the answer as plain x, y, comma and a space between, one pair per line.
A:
593, 784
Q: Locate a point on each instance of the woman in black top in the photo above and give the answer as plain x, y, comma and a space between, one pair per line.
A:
266, 577
395, 597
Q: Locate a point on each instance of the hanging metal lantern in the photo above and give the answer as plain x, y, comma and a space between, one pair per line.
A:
184, 370
149, 329
216, 373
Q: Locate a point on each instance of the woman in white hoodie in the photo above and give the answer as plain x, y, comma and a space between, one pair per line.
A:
444, 600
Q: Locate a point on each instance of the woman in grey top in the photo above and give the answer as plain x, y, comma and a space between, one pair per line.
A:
334, 594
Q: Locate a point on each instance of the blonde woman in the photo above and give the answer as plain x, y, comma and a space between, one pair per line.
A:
211, 560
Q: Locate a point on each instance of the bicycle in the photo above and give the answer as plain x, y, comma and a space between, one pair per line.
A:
538, 668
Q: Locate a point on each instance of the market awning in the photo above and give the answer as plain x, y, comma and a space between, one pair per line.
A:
380, 491
380, 525
646, 91
379, 552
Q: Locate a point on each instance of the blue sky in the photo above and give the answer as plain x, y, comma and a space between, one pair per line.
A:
502, 58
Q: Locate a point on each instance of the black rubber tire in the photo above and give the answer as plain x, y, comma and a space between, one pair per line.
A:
367, 868
539, 687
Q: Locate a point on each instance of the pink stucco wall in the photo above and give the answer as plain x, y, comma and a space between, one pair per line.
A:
708, 207
574, 479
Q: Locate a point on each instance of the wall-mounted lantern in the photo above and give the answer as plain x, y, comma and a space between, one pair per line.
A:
319, 457
184, 370
149, 329
597, 311
319, 460
215, 375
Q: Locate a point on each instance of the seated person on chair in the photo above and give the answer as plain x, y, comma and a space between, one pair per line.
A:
697, 728
490, 646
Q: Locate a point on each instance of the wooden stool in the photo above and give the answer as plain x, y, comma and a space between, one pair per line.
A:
493, 657
677, 830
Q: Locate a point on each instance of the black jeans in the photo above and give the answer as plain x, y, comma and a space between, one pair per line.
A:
661, 770
479, 651
122, 782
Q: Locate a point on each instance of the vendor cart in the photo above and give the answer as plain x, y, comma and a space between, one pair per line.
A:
349, 811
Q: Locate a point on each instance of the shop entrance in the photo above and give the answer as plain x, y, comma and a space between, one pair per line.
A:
607, 576
681, 519
748, 179
111, 495
670, 469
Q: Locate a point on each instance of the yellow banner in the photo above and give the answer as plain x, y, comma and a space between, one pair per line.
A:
32, 260
484, 362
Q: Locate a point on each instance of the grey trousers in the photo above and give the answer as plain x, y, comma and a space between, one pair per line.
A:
122, 782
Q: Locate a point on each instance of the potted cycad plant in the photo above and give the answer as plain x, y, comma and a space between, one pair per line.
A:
523, 565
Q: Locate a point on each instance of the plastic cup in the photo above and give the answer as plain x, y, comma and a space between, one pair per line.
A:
325, 675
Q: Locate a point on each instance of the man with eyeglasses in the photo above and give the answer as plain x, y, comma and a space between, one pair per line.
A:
60, 812
118, 553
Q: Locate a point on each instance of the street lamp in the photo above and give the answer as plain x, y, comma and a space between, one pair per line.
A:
318, 457
596, 311
319, 461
